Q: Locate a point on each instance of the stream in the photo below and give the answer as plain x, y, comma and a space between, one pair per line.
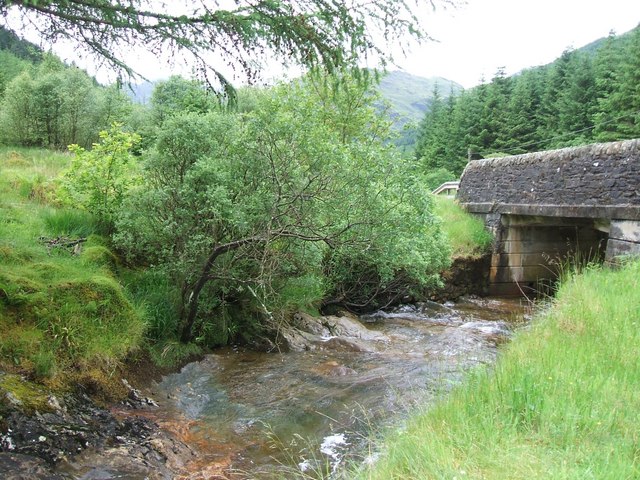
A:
260, 415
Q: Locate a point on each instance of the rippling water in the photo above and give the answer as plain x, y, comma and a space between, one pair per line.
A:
253, 414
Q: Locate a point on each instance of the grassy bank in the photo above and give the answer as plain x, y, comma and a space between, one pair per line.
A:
563, 402
64, 314
466, 233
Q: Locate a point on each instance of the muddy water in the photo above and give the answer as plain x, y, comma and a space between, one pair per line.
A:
253, 414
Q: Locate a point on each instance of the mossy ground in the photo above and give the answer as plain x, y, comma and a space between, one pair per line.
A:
64, 314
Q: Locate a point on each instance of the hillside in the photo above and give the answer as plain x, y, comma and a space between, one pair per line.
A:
22, 49
410, 95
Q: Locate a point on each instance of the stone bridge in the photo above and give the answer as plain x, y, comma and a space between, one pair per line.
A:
548, 207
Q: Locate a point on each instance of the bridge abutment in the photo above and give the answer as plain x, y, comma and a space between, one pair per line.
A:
624, 240
530, 252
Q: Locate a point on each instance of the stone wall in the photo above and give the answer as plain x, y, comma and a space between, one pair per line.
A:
594, 181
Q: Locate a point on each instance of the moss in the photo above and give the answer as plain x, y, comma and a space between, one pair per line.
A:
103, 386
15, 289
28, 396
66, 325
101, 256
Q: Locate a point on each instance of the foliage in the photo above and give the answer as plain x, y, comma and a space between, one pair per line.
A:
179, 96
560, 403
18, 48
310, 33
584, 96
437, 177
98, 179
51, 105
248, 207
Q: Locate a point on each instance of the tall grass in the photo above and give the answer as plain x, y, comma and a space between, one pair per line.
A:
69, 222
466, 233
563, 401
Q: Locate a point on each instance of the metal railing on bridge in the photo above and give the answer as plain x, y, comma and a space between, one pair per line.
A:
447, 188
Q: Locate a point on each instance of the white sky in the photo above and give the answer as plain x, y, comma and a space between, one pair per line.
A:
474, 39
477, 38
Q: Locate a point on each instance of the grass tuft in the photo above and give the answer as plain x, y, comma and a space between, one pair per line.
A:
61, 315
466, 233
69, 222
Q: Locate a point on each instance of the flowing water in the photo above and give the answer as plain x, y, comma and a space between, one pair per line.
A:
251, 415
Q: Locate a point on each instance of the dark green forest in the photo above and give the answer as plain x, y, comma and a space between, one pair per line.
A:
587, 95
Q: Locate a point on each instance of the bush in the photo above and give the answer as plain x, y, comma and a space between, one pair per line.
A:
437, 177
99, 179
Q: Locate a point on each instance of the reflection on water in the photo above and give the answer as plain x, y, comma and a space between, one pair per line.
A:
255, 412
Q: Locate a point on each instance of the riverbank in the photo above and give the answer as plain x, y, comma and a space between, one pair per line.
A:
46, 434
73, 317
562, 402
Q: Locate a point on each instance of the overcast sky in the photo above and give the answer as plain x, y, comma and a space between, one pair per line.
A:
473, 40
477, 38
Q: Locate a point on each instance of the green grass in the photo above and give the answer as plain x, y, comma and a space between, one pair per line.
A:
563, 402
60, 313
466, 233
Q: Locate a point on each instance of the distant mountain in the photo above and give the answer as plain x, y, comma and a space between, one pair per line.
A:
140, 92
410, 95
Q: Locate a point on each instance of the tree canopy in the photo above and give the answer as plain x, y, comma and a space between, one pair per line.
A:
585, 96
310, 33
297, 203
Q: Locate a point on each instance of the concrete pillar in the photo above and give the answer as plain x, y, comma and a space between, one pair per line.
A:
624, 241
529, 252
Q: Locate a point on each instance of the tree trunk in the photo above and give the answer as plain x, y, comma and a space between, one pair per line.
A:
191, 309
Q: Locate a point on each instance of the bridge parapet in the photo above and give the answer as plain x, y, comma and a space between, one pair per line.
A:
543, 207
594, 181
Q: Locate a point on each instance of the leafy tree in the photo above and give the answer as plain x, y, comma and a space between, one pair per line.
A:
12, 66
98, 179
18, 112
437, 177
112, 105
78, 110
47, 100
178, 96
306, 32
281, 206
53, 105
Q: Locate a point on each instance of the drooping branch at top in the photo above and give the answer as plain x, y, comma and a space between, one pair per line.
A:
309, 33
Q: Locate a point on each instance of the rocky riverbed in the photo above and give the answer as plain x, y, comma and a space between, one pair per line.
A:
69, 436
